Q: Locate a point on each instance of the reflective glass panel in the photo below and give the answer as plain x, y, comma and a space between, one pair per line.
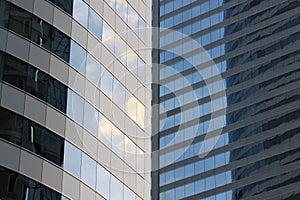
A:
72, 159
91, 118
77, 57
80, 12
88, 170
75, 106
95, 24
93, 70
103, 180
117, 189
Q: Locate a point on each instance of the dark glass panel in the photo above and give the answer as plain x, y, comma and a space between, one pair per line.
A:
34, 81
21, 131
12, 126
66, 5
19, 187
43, 34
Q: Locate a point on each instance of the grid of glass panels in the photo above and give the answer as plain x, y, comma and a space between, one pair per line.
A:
93, 174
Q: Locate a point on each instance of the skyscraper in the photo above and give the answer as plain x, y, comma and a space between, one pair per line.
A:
75, 101
255, 47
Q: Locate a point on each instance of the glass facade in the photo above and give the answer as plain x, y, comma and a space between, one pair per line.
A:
71, 78
17, 186
254, 47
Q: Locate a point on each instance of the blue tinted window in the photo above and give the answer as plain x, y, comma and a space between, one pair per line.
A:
220, 179
72, 159
179, 173
205, 23
103, 181
91, 118
199, 167
210, 183
118, 142
132, 18
189, 189
80, 12
107, 83
209, 163
213, 4
119, 96
88, 170
199, 186
93, 70
121, 8
128, 194
75, 106
95, 24
205, 7
77, 57
189, 170
179, 192
117, 189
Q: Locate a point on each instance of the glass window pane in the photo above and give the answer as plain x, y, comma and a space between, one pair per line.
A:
189, 189
119, 96
132, 18
121, 8
130, 153
112, 3
77, 57
91, 118
95, 24
210, 183
60, 43
108, 36
209, 163
103, 180
117, 189
107, 80
72, 159
80, 12
128, 194
142, 29
189, 170
105, 131
75, 106
66, 5
47, 144
93, 70
120, 49
88, 170
118, 142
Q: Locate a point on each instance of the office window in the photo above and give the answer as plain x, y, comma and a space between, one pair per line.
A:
107, 80
91, 118
128, 194
121, 9
78, 57
210, 183
108, 37
88, 170
75, 105
105, 131
189, 189
116, 193
130, 153
103, 181
118, 142
66, 5
93, 70
80, 12
200, 186
95, 24
72, 159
